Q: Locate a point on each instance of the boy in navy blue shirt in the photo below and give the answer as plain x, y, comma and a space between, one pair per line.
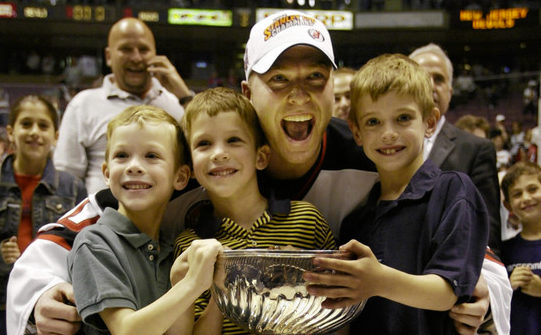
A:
521, 255
422, 236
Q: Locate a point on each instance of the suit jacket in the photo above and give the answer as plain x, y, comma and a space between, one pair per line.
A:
455, 149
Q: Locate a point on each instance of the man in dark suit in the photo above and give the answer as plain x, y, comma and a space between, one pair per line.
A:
453, 149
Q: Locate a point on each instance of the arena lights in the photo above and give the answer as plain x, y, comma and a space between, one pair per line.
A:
8, 10
204, 17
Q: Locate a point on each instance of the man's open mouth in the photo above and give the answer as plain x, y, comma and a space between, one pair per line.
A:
298, 127
136, 71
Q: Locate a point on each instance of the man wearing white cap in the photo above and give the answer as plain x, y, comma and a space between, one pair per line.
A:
288, 62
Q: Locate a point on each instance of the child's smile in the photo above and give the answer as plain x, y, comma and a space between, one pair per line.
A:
222, 172
132, 185
391, 151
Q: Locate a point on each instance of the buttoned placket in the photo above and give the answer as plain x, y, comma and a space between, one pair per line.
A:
152, 251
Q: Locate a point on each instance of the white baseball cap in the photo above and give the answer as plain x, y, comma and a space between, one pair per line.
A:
280, 31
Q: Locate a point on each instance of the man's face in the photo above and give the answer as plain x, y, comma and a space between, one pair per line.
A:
131, 46
293, 100
441, 82
342, 101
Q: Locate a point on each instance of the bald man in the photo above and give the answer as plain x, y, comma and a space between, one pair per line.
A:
139, 76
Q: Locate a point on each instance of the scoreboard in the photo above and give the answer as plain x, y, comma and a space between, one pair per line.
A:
506, 18
60, 12
240, 17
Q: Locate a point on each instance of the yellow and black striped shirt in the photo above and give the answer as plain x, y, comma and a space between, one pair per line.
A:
302, 227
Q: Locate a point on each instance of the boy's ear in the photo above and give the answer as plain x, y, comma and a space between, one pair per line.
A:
262, 157
431, 121
105, 171
355, 131
181, 178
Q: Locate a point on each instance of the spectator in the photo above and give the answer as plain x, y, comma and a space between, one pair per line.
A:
48, 64
530, 97
528, 150
33, 62
521, 187
313, 158
137, 78
516, 141
476, 125
32, 191
452, 149
72, 76
503, 155
465, 86
228, 147
342, 78
5, 147
500, 124
4, 107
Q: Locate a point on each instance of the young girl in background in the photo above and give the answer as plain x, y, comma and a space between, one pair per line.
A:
32, 191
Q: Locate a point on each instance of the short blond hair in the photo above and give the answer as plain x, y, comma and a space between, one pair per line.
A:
220, 99
144, 114
391, 72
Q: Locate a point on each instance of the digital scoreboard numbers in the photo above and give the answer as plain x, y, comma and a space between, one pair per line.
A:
82, 13
91, 13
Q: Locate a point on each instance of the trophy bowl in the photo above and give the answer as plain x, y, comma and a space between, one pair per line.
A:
262, 291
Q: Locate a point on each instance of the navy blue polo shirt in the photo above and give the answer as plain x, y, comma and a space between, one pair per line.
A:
438, 225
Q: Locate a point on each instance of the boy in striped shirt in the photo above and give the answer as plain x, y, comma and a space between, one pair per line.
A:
228, 147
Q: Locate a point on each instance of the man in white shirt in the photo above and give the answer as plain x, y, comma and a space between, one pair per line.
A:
139, 77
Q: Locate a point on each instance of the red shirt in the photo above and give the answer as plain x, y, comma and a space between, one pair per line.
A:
27, 184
